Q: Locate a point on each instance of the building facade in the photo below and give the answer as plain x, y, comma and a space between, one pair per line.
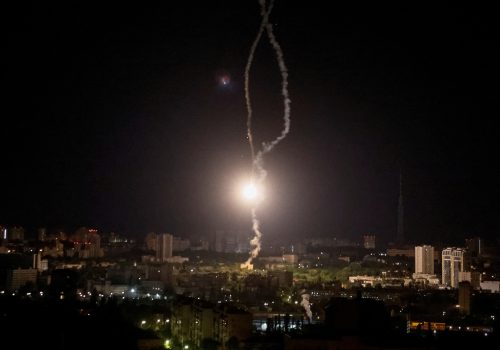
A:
369, 241
454, 261
424, 259
164, 246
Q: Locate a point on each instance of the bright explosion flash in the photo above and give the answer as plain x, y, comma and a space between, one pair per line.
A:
252, 193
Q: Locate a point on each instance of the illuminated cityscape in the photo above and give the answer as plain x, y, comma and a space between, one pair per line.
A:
249, 175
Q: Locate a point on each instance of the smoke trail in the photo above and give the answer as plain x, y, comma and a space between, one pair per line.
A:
307, 306
267, 147
257, 159
265, 17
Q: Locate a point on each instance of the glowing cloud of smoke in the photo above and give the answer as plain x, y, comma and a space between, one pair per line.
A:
306, 305
257, 159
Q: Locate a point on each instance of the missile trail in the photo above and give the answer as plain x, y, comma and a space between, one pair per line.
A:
258, 158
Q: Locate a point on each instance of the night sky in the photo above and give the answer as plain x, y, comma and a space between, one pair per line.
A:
115, 117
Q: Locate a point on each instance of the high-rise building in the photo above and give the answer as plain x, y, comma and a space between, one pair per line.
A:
15, 233
42, 234
424, 259
39, 263
474, 246
454, 261
474, 277
464, 292
150, 241
87, 243
94, 245
231, 241
369, 241
19, 277
164, 245
180, 244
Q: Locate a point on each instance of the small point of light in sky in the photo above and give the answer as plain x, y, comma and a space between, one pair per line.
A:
223, 80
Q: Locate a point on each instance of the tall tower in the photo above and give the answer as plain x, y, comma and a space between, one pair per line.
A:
164, 243
464, 292
424, 259
400, 236
454, 261
369, 241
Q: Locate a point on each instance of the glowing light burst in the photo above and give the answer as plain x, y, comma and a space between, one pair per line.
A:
224, 80
250, 192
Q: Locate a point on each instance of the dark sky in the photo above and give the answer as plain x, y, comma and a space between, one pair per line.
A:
113, 117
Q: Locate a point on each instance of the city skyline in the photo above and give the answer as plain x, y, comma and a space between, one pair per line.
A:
132, 119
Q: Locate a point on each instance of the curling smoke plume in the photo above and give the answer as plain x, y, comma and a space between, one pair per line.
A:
258, 170
307, 306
